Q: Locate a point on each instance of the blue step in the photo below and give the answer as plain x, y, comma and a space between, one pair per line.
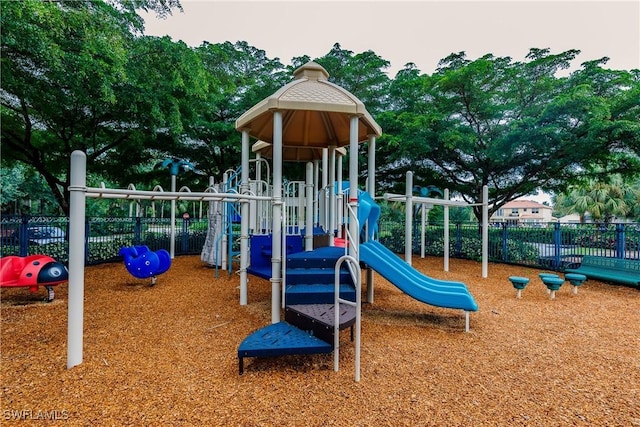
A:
324, 257
316, 275
280, 339
318, 293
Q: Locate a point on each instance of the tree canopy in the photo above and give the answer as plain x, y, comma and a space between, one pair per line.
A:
82, 76
513, 126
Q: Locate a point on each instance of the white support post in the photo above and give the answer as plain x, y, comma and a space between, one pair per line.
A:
423, 220
172, 233
466, 321
354, 240
485, 231
77, 198
371, 174
322, 194
316, 197
332, 195
258, 167
340, 194
276, 239
244, 218
308, 236
408, 226
225, 224
446, 231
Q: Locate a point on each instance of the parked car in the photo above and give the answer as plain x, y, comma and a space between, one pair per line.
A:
38, 235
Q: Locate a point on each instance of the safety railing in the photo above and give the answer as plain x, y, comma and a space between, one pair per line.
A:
356, 276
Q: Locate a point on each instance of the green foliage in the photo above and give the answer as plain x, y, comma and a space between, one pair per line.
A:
48, 111
467, 245
514, 126
518, 252
24, 191
58, 251
102, 250
238, 77
601, 198
80, 76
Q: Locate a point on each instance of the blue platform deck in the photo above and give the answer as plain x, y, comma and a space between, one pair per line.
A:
279, 339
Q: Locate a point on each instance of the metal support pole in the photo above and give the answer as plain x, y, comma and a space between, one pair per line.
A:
372, 192
354, 240
340, 194
244, 219
446, 231
276, 238
485, 231
408, 226
322, 194
225, 224
332, 195
172, 233
308, 236
77, 198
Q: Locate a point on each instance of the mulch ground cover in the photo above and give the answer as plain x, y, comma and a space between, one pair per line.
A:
167, 355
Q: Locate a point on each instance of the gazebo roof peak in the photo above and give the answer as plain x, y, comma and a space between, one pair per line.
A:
312, 71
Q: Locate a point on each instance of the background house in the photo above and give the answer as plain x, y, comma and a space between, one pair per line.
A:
523, 212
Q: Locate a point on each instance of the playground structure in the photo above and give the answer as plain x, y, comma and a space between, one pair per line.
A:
313, 120
32, 272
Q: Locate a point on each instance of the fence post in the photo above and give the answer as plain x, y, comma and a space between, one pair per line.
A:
557, 246
505, 236
23, 236
620, 241
87, 230
137, 231
458, 239
185, 235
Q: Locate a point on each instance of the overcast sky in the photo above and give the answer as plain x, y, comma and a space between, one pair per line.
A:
422, 32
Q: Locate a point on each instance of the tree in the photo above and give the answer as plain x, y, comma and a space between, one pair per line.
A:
513, 126
408, 113
239, 76
362, 74
64, 66
602, 199
158, 109
620, 128
11, 180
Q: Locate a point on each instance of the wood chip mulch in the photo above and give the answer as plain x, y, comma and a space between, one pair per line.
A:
167, 355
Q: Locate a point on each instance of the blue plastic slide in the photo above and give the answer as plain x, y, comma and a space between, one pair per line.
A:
439, 293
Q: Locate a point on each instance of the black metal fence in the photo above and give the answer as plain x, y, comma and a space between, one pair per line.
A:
103, 236
552, 246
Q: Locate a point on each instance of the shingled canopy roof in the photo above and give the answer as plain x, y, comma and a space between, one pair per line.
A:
316, 113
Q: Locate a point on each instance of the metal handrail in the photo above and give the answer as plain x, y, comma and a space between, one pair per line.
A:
354, 269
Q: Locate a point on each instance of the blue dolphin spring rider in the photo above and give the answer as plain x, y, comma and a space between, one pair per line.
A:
143, 263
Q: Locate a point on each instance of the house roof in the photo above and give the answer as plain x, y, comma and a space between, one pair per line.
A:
521, 204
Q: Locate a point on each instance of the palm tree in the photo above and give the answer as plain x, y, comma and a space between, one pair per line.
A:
602, 199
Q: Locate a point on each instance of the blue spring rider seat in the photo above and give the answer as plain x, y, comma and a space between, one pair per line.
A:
141, 262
